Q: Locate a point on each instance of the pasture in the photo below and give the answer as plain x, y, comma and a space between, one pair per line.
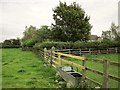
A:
24, 69
99, 67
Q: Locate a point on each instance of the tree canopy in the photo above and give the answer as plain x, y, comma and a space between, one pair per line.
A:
111, 34
71, 23
43, 33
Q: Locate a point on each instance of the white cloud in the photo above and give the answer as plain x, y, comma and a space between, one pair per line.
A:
16, 14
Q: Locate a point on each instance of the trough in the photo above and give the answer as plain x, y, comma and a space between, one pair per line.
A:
70, 76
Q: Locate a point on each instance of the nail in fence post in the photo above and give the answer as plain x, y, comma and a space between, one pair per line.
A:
105, 73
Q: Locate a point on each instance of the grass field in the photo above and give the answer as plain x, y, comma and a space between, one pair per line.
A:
23, 69
113, 70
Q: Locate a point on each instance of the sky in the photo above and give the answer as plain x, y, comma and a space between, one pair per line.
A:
16, 14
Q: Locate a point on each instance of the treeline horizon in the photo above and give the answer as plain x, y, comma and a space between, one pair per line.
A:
71, 25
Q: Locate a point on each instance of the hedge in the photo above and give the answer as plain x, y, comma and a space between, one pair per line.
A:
49, 45
76, 45
29, 43
10, 46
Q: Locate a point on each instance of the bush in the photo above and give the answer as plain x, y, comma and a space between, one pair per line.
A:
77, 45
29, 43
84, 44
50, 44
108, 44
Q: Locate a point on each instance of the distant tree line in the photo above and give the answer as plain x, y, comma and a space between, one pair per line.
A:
71, 24
71, 29
112, 34
11, 43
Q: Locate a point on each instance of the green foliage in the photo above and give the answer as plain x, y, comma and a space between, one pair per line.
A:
33, 35
11, 43
71, 23
30, 32
112, 34
77, 45
43, 34
29, 38
86, 44
29, 43
50, 44
7, 42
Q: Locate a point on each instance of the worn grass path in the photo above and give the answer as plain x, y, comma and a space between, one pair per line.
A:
24, 69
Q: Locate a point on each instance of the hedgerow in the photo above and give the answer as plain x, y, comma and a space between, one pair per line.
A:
77, 45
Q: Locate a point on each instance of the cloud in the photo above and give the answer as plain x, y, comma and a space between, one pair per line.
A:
16, 14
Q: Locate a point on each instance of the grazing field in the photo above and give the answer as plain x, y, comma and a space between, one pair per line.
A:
97, 66
23, 69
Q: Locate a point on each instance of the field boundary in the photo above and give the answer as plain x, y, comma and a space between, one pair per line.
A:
53, 58
81, 51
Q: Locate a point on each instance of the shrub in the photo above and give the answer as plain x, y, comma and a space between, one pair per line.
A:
50, 44
76, 45
29, 43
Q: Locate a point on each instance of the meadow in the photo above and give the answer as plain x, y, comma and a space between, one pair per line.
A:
24, 69
113, 70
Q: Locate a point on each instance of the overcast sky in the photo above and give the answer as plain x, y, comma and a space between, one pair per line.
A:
16, 14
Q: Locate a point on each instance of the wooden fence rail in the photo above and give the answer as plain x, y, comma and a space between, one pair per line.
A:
55, 59
89, 51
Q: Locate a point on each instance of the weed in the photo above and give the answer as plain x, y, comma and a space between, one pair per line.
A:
21, 70
5, 63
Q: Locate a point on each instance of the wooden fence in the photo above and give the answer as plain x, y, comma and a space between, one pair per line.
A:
54, 58
90, 51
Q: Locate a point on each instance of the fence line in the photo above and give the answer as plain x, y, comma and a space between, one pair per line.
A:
53, 57
89, 51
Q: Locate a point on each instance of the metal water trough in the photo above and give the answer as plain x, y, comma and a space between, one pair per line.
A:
70, 76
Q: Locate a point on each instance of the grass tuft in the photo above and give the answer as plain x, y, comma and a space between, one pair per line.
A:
21, 70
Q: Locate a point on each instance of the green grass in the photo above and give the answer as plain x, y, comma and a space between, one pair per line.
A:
24, 69
113, 70
0, 68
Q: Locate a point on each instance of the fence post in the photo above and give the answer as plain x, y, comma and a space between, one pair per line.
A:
99, 52
80, 51
83, 71
60, 61
107, 51
89, 51
105, 73
116, 49
69, 51
45, 51
52, 54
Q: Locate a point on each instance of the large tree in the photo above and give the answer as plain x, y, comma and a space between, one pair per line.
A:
71, 23
114, 31
29, 33
43, 33
112, 34
29, 38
